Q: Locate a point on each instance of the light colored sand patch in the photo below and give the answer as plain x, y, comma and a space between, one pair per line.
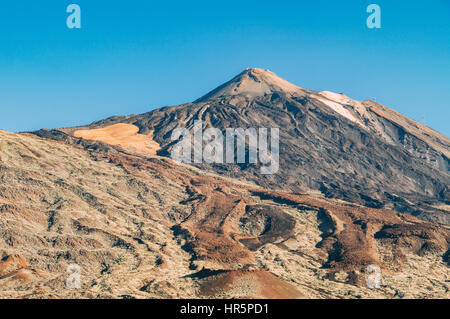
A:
125, 135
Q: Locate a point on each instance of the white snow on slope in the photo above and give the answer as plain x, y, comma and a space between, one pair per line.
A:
336, 97
339, 108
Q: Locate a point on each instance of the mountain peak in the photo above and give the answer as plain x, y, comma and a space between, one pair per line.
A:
252, 82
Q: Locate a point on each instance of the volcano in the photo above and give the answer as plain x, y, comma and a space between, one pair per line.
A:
346, 149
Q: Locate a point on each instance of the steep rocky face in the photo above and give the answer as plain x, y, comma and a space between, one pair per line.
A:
357, 151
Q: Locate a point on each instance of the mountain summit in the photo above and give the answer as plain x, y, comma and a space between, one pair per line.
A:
252, 82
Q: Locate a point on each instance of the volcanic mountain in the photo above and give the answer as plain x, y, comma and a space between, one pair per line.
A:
361, 152
107, 198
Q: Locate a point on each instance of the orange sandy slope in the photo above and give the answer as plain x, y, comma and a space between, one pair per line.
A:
125, 135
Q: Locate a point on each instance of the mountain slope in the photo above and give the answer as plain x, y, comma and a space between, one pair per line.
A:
141, 226
357, 151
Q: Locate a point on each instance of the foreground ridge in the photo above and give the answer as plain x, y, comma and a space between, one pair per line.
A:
142, 226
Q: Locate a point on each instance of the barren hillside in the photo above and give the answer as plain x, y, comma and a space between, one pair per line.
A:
142, 226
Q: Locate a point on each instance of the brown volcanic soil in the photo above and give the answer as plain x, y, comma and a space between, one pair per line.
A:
351, 232
142, 226
247, 284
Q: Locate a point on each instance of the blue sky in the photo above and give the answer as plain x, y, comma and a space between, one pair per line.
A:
133, 56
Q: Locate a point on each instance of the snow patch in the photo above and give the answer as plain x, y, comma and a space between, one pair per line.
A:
339, 108
337, 97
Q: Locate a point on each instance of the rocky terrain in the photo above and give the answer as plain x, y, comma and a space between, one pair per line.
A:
358, 185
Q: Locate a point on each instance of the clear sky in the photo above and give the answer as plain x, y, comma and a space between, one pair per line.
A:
133, 56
